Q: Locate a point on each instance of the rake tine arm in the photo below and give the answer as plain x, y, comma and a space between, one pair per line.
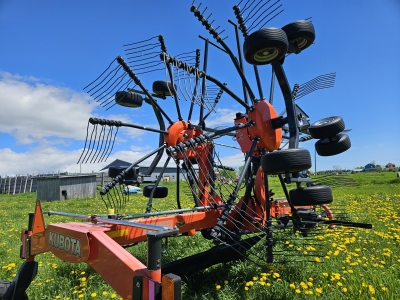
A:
139, 83
217, 36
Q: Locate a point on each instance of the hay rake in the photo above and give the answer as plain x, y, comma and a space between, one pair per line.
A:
240, 216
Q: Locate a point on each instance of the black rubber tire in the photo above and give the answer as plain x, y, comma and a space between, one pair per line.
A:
326, 127
161, 191
272, 40
288, 160
163, 88
333, 145
115, 171
128, 99
311, 195
300, 34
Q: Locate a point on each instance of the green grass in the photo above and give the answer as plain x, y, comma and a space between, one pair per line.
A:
356, 264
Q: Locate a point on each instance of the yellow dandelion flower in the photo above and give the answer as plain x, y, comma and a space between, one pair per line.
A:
226, 281
298, 291
113, 296
371, 289
344, 290
217, 286
292, 286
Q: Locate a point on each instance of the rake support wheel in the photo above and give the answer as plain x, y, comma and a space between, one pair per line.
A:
128, 99
300, 34
288, 160
333, 145
327, 127
311, 195
160, 192
265, 46
163, 88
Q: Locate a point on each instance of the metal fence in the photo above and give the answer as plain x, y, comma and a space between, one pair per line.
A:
27, 183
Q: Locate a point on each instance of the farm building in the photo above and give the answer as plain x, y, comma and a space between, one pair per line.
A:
63, 187
370, 168
390, 165
168, 176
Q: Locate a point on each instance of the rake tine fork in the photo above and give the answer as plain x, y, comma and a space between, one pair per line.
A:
90, 143
108, 142
84, 147
97, 152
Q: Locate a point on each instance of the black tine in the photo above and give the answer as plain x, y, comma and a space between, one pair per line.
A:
96, 152
108, 142
138, 47
103, 129
90, 142
84, 147
245, 8
115, 74
105, 203
131, 61
112, 87
134, 56
100, 74
110, 99
94, 142
113, 196
273, 17
135, 43
112, 146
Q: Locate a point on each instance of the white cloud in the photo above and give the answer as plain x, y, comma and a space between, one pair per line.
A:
223, 116
34, 112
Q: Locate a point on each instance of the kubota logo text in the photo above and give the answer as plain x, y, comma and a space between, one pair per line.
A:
66, 243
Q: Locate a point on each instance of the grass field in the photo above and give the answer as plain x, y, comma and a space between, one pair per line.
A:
356, 264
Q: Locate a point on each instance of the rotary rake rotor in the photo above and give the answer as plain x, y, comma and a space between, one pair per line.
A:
239, 214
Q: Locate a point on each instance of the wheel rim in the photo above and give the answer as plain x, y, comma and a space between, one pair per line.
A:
300, 42
266, 54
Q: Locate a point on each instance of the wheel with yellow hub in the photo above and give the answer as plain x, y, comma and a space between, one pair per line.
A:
265, 46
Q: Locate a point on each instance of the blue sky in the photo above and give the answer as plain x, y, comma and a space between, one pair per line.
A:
50, 50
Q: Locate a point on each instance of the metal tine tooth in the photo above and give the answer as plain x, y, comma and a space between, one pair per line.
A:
112, 145
109, 66
112, 197
84, 147
111, 99
143, 57
90, 142
135, 43
249, 16
108, 142
105, 203
104, 92
273, 17
97, 151
150, 46
115, 71
93, 144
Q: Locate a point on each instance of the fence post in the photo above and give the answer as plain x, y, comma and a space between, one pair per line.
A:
102, 179
26, 181
15, 184
30, 188
9, 184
